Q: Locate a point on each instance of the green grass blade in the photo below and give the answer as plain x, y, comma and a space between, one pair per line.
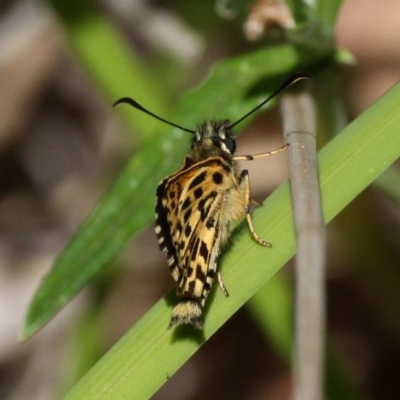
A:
110, 62
129, 207
389, 182
149, 353
272, 308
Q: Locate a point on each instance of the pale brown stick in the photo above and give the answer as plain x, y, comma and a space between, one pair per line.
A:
299, 132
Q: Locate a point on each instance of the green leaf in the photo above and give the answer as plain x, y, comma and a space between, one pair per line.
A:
110, 62
323, 11
272, 308
389, 182
129, 207
149, 353
316, 24
327, 13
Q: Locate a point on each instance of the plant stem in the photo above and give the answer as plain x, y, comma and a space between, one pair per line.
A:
299, 131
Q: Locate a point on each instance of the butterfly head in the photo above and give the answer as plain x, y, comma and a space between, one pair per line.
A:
213, 138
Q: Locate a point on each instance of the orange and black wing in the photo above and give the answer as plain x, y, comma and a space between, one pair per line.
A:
188, 224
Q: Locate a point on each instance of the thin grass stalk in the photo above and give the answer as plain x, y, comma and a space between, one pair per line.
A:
299, 131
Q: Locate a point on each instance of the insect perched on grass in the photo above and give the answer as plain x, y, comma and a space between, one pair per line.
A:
196, 205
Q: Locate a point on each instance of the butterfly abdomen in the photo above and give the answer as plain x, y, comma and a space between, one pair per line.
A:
187, 311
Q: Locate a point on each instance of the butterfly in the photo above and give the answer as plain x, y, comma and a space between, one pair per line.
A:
196, 206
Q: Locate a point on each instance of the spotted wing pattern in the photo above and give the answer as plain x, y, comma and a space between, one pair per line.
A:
188, 223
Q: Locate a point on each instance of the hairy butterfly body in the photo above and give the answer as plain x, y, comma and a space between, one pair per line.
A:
195, 207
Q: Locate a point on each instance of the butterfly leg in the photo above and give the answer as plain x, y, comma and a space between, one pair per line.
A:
245, 186
221, 284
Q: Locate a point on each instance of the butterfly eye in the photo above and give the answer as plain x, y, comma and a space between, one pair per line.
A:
230, 144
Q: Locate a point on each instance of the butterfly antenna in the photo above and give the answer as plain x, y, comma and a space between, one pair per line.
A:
294, 78
136, 105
